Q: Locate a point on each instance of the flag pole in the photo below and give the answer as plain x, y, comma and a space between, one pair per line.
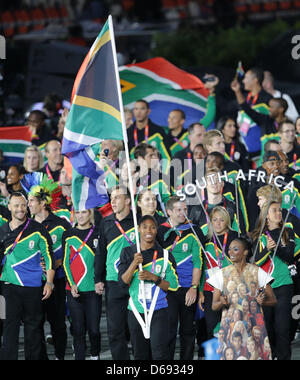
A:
146, 328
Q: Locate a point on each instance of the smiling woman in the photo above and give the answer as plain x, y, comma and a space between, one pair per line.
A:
14, 175
226, 282
158, 276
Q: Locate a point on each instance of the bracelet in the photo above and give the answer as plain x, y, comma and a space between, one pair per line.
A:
158, 281
194, 286
50, 284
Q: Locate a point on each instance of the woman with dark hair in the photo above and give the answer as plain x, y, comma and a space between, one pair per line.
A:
159, 276
13, 181
278, 319
241, 272
147, 205
235, 150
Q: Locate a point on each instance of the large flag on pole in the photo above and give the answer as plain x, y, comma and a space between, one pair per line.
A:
95, 115
165, 87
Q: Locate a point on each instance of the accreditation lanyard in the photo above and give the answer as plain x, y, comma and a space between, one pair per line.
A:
232, 150
82, 244
206, 215
223, 249
217, 252
269, 235
254, 98
135, 135
178, 237
154, 261
224, 245
189, 156
179, 142
17, 240
295, 160
121, 229
111, 167
48, 172
69, 202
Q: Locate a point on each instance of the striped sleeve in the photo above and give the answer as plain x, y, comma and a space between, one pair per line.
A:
197, 254
66, 261
45, 245
172, 277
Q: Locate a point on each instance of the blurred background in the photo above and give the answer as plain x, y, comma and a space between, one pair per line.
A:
46, 42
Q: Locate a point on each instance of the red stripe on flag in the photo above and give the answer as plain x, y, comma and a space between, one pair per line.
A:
80, 75
15, 133
167, 70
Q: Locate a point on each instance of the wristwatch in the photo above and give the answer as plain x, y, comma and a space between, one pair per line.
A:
158, 281
194, 286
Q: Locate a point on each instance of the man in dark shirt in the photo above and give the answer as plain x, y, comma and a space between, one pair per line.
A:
185, 156
23, 243
177, 135
55, 160
116, 232
255, 98
288, 143
268, 123
143, 128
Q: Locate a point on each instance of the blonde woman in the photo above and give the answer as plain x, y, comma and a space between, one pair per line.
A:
79, 247
216, 252
33, 159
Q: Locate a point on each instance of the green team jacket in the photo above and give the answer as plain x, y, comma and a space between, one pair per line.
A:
23, 265
80, 271
279, 267
134, 289
110, 247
